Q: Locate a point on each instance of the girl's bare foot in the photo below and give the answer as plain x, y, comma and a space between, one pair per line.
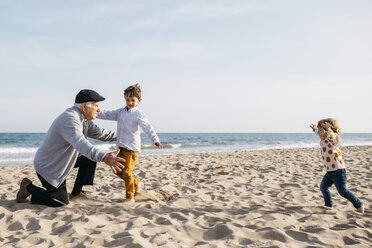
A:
361, 209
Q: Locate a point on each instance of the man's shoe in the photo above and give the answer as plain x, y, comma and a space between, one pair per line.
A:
23, 193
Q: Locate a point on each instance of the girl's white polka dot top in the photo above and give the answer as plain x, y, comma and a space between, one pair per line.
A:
331, 152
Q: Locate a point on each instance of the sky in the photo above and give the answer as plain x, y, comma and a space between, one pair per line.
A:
204, 66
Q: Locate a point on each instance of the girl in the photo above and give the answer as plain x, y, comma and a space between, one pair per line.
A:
330, 141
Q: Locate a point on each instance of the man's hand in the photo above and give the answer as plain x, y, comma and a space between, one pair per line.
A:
160, 146
113, 161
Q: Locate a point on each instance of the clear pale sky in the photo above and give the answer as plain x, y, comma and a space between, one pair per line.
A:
204, 66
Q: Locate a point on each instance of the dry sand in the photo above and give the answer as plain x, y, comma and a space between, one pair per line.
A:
227, 199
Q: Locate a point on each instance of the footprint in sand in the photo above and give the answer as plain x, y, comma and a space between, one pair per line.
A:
311, 229
155, 195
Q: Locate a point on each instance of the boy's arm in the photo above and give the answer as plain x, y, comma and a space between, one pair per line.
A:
147, 128
112, 115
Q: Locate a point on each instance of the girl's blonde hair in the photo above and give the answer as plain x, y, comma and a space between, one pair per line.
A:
334, 125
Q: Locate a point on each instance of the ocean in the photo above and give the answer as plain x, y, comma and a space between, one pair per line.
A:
20, 148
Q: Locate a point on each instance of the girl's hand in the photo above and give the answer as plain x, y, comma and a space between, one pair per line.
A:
313, 127
326, 125
322, 133
160, 146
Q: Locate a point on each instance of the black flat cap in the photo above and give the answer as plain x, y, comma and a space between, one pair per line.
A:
88, 96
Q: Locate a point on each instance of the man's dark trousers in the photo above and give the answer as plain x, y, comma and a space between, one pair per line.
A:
56, 197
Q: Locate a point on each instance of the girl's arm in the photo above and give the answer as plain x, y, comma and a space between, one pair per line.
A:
315, 129
333, 138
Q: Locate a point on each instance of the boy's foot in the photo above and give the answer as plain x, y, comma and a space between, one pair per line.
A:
139, 188
361, 209
327, 207
23, 193
129, 202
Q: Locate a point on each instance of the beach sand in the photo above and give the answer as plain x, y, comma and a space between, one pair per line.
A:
267, 198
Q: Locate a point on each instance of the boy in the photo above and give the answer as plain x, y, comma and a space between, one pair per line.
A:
130, 119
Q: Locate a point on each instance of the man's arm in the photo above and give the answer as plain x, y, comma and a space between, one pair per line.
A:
98, 133
72, 132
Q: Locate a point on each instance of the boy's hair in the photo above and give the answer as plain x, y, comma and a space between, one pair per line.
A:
133, 90
334, 125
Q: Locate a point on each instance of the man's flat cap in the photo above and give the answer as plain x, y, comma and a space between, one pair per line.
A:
88, 96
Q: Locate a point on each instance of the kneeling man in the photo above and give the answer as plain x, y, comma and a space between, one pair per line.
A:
65, 147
